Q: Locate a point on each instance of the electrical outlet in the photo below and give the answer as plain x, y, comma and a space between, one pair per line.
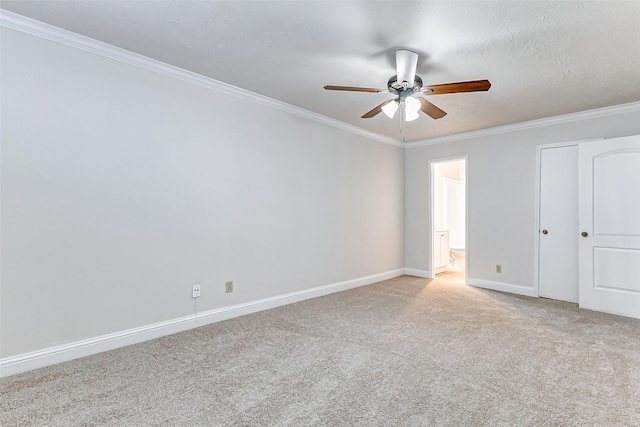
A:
195, 293
498, 268
229, 287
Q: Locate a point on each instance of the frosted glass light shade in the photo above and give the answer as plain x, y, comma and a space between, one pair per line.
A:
410, 115
412, 105
390, 108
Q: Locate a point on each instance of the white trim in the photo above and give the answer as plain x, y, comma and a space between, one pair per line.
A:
50, 356
466, 216
503, 287
55, 34
418, 273
548, 121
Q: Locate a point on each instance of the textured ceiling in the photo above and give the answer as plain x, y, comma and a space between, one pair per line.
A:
542, 58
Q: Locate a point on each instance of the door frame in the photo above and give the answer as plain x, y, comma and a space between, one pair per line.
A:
430, 235
536, 231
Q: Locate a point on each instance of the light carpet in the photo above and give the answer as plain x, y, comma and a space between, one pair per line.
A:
403, 352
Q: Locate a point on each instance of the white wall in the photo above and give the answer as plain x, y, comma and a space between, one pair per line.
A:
501, 195
121, 188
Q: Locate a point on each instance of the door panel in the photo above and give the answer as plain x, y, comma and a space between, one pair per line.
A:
609, 217
558, 250
610, 269
616, 200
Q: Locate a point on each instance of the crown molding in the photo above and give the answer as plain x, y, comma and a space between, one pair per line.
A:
548, 121
55, 34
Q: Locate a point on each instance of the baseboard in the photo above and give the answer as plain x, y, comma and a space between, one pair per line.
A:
53, 355
504, 287
418, 273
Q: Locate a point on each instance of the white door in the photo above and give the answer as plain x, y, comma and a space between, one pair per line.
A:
454, 210
558, 250
609, 221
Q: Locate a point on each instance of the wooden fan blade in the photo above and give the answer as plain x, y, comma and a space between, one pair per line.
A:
355, 89
431, 110
473, 86
376, 110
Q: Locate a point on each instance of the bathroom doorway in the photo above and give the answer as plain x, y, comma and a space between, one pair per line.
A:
449, 215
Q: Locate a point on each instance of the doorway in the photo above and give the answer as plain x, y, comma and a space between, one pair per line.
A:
449, 216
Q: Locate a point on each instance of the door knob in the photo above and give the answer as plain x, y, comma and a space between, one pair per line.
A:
584, 234
545, 231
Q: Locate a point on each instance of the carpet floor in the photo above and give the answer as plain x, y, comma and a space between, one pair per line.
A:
402, 352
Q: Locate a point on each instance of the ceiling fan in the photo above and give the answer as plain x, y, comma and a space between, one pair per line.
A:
406, 85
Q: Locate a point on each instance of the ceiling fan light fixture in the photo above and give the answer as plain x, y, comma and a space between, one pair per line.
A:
410, 115
390, 109
412, 105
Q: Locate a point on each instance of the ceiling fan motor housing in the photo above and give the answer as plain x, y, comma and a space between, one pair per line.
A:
397, 88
